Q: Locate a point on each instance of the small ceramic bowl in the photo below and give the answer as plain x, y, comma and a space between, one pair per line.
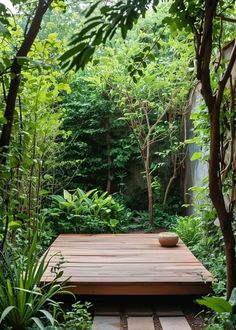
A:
168, 239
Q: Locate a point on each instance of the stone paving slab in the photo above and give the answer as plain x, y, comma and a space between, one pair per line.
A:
107, 323
141, 323
174, 323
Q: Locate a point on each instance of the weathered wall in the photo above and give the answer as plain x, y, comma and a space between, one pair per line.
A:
196, 171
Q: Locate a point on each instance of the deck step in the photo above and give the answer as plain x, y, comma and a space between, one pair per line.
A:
138, 310
140, 323
168, 310
174, 323
106, 323
107, 309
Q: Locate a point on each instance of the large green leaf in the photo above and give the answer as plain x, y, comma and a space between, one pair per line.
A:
6, 312
38, 323
219, 305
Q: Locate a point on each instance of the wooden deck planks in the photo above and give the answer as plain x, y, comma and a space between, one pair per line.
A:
127, 264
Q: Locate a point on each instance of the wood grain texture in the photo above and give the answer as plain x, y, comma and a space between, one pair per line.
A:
127, 264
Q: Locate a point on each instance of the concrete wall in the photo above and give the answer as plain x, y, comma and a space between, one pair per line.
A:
196, 171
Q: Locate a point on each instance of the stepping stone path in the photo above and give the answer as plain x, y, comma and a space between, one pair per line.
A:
140, 323
174, 323
106, 323
139, 317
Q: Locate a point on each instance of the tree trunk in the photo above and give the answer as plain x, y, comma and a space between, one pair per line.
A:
149, 183
217, 197
108, 146
16, 77
214, 99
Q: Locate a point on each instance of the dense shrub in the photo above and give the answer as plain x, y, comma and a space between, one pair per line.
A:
86, 212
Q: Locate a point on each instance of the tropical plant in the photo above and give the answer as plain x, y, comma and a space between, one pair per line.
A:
24, 299
86, 212
225, 311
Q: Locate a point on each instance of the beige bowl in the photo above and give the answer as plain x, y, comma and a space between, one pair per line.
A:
168, 239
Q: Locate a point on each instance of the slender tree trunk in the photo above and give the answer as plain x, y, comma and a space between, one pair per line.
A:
225, 217
16, 77
109, 160
147, 161
171, 180
214, 101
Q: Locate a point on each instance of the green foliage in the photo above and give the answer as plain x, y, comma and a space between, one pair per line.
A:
79, 318
163, 219
189, 229
100, 28
23, 300
219, 305
86, 212
205, 240
98, 148
28, 176
225, 311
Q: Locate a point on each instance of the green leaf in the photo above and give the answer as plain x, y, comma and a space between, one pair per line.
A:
105, 9
38, 323
69, 53
43, 192
124, 31
219, 305
67, 195
3, 120
48, 316
196, 156
92, 8
23, 59
3, 30
6, 312
14, 224
151, 57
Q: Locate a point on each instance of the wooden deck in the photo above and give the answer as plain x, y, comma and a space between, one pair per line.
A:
127, 264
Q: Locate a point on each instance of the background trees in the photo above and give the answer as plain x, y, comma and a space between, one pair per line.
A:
209, 24
120, 119
30, 119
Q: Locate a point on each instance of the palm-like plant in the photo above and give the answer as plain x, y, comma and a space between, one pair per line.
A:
23, 300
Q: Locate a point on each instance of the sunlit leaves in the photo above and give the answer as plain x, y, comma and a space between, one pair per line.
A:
97, 30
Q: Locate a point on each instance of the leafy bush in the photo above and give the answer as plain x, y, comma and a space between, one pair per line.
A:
79, 318
162, 219
189, 229
22, 299
225, 311
86, 212
192, 231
